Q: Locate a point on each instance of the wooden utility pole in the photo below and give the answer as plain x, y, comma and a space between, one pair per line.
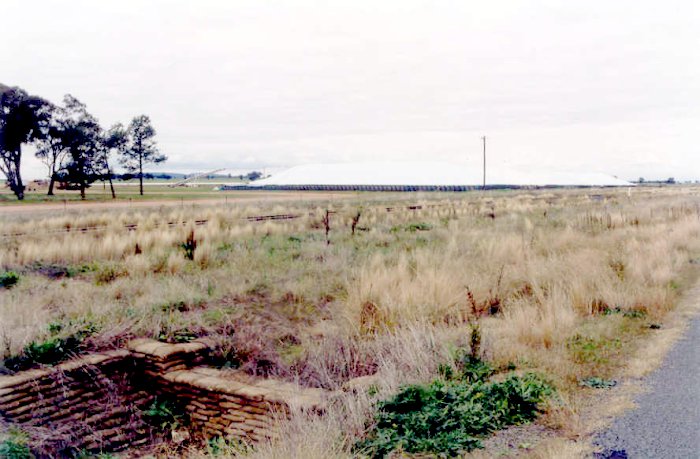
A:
484, 183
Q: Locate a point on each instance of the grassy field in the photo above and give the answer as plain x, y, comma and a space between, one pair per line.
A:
99, 192
564, 284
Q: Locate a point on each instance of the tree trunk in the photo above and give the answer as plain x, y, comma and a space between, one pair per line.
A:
82, 190
19, 186
141, 174
52, 180
111, 185
10, 167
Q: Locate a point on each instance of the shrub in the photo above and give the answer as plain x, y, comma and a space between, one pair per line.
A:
450, 418
8, 279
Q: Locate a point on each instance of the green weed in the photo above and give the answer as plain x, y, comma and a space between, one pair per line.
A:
165, 414
175, 335
226, 447
636, 313
450, 418
16, 446
597, 383
474, 369
8, 279
54, 349
189, 246
412, 227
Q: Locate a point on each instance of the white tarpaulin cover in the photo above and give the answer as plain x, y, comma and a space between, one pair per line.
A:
429, 174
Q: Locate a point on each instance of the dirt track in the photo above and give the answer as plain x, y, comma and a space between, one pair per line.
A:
249, 196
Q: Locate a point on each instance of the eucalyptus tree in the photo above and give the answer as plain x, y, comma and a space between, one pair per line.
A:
113, 140
23, 120
52, 149
83, 138
140, 147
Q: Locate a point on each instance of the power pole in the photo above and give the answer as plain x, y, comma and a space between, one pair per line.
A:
484, 183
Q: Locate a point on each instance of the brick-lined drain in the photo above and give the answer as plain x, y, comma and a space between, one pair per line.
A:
95, 403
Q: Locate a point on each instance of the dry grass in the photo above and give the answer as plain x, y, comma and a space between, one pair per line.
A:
564, 282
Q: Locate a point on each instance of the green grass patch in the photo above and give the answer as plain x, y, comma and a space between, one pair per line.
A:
592, 350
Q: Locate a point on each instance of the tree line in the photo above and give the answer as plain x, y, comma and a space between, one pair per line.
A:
70, 141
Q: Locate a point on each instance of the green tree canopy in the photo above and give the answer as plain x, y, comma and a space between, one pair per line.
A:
23, 119
83, 137
140, 147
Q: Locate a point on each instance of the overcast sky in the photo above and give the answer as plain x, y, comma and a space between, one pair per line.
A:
596, 85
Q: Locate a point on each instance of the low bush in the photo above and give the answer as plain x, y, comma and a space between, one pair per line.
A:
8, 279
449, 418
